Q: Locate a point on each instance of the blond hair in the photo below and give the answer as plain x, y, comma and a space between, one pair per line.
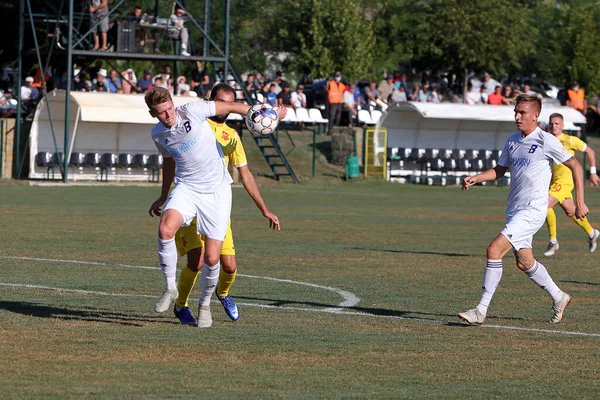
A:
529, 98
156, 96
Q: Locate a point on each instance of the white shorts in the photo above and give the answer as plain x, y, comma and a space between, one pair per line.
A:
522, 225
212, 210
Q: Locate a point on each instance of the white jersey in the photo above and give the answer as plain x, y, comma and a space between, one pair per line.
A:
192, 143
529, 161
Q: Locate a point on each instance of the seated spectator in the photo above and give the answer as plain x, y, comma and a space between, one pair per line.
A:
99, 87
527, 89
403, 83
350, 102
473, 97
271, 96
507, 97
371, 95
484, 94
495, 98
422, 94
284, 98
164, 75
114, 83
252, 85
129, 81
433, 96
178, 31
399, 95
145, 83
298, 98
415, 93
6, 108
183, 88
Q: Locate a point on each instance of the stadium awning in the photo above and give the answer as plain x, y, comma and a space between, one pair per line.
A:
459, 126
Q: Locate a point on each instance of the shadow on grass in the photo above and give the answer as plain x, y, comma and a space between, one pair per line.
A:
83, 314
582, 283
435, 253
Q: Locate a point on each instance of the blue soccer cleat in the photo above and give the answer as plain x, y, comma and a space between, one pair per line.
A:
230, 307
184, 315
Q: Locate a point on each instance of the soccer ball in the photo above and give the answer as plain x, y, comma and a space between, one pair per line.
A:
262, 119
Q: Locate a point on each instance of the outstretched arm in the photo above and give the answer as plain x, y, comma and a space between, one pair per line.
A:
490, 175
252, 189
581, 209
592, 157
226, 107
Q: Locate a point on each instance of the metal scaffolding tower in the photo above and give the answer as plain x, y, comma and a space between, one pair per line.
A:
49, 19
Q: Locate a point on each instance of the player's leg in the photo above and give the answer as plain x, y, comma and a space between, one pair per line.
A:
538, 273
491, 278
554, 197
170, 221
227, 276
214, 211
188, 243
569, 207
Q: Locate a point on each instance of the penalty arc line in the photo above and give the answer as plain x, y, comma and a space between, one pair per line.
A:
349, 299
326, 311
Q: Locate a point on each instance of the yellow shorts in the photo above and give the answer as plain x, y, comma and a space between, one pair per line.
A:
561, 192
188, 239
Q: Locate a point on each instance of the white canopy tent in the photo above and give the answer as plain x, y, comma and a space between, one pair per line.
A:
459, 126
100, 123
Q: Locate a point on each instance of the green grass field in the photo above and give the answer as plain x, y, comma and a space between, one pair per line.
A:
79, 276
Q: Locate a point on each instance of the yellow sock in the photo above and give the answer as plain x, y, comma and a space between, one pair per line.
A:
187, 280
585, 224
225, 282
551, 222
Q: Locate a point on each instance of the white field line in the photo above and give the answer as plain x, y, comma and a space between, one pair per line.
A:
336, 311
349, 299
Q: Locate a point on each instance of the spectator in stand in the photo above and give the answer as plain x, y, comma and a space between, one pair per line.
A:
495, 98
472, 97
284, 98
577, 98
386, 87
271, 96
6, 108
422, 94
29, 95
200, 80
484, 94
371, 95
415, 94
251, 84
350, 103
593, 116
298, 98
99, 11
145, 83
433, 96
183, 89
335, 97
178, 31
100, 81
507, 96
399, 95
527, 89
114, 83
489, 83
129, 81
164, 75
403, 83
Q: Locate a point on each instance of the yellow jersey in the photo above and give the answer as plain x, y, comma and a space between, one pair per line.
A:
230, 142
560, 173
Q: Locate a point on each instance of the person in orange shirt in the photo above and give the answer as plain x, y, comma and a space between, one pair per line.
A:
577, 98
496, 97
335, 96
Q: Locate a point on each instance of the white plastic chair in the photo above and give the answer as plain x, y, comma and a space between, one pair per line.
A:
364, 117
303, 116
375, 116
315, 115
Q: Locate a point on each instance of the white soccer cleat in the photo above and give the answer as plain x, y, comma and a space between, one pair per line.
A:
559, 307
164, 302
594, 240
185, 53
204, 317
473, 317
551, 249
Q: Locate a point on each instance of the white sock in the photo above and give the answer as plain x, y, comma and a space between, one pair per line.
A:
209, 277
539, 274
554, 240
491, 279
591, 235
167, 257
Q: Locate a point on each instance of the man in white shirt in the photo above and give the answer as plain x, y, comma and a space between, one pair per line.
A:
178, 31
193, 159
298, 98
529, 155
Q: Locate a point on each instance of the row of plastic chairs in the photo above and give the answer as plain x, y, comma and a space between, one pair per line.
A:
367, 117
304, 115
107, 160
443, 160
416, 154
